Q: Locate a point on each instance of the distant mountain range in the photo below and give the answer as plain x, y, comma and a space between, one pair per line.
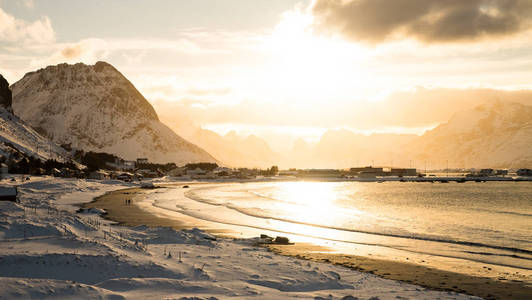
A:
235, 150
95, 108
495, 134
342, 148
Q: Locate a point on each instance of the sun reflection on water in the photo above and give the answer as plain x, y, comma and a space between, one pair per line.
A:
309, 202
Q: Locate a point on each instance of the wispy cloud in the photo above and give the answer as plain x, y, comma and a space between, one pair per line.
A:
15, 31
86, 51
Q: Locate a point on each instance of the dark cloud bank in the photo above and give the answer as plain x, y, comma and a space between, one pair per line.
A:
429, 21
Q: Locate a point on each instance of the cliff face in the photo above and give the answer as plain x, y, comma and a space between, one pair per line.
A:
5, 94
95, 108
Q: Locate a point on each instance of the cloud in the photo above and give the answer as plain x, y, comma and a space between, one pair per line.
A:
87, 51
429, 21
409, 110
13, 30
72, 52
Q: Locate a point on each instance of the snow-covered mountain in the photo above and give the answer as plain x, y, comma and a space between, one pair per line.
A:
95, 108
495, 134
343, 148
17, 136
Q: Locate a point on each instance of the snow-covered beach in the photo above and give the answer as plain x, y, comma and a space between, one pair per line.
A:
49, 251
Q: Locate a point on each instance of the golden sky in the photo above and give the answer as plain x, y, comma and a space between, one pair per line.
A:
292, 67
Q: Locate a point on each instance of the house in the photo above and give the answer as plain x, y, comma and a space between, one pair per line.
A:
128, 165
368, 172
501, 172
370, 169
98, 175
67, 172
222, 171
196, 171
403, 172
177, 172
486, 172
524, 172
147, 173
125, 177
8, 193
141, 161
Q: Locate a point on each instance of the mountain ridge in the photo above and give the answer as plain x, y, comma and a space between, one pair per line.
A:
95, 108
494, 134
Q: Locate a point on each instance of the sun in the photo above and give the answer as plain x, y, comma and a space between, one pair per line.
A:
308, 66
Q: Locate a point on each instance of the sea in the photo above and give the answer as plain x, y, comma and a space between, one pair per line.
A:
486, 223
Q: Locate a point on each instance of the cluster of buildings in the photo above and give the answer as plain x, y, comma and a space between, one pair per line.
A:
134, 171
141, 168
128, 172
359, 172
488, 173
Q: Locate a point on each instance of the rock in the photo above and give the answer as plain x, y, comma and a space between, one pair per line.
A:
147, 185
281, 240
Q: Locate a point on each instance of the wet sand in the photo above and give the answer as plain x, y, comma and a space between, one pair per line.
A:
130, 215
488, 288
485, 287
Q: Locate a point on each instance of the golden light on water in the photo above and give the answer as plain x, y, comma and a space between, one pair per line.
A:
317, 208
309, 202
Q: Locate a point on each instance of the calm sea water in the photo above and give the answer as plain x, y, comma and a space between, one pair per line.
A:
486, 222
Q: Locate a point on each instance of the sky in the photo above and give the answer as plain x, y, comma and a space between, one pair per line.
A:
286, 67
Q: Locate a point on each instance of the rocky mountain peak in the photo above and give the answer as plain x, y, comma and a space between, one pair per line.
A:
98, 86
96, 108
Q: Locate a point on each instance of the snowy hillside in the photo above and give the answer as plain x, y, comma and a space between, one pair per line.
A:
16, 136
495, 134
95, 108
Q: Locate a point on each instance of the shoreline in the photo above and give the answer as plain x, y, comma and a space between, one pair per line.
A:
428, 277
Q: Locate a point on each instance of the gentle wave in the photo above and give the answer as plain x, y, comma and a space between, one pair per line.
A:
183, 210
192, 196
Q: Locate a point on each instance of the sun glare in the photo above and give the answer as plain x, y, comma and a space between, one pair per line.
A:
313, 200
308, 67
